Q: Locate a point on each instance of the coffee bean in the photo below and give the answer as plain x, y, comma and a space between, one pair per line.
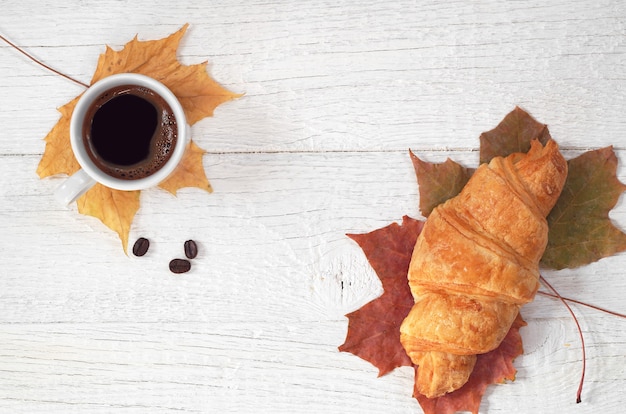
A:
191, 249
180, 265
141, 246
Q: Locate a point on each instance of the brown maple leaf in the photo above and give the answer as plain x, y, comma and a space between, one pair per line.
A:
199, 95
513, 134
438, 182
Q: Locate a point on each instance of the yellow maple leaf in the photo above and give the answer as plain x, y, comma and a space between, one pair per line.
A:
187, 174
58, 157
116, 209
198, 94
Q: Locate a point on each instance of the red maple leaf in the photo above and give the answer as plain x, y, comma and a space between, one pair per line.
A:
491, 368
374, 329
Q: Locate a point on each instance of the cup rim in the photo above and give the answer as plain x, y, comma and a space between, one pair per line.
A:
76, 131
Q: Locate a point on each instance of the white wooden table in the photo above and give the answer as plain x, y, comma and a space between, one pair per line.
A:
335, 95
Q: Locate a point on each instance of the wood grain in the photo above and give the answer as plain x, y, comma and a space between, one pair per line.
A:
335, 95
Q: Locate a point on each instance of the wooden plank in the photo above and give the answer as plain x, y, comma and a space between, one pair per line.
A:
335, 95
364, 77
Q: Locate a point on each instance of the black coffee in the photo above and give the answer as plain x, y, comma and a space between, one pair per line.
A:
130, 132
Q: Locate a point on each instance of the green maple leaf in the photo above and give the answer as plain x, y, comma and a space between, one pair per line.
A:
581, 231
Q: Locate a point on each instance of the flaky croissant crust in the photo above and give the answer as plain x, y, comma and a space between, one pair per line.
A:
476, 262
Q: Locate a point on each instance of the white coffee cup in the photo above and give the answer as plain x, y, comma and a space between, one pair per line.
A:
90, 174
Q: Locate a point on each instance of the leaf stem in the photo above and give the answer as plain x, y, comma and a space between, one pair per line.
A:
551, 295
580, 333
41, 63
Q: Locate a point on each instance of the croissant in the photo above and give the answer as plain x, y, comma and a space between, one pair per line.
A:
476, 262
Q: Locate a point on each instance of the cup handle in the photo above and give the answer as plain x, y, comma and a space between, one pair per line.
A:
74, 187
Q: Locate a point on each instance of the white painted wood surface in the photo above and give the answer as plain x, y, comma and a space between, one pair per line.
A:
335, 95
